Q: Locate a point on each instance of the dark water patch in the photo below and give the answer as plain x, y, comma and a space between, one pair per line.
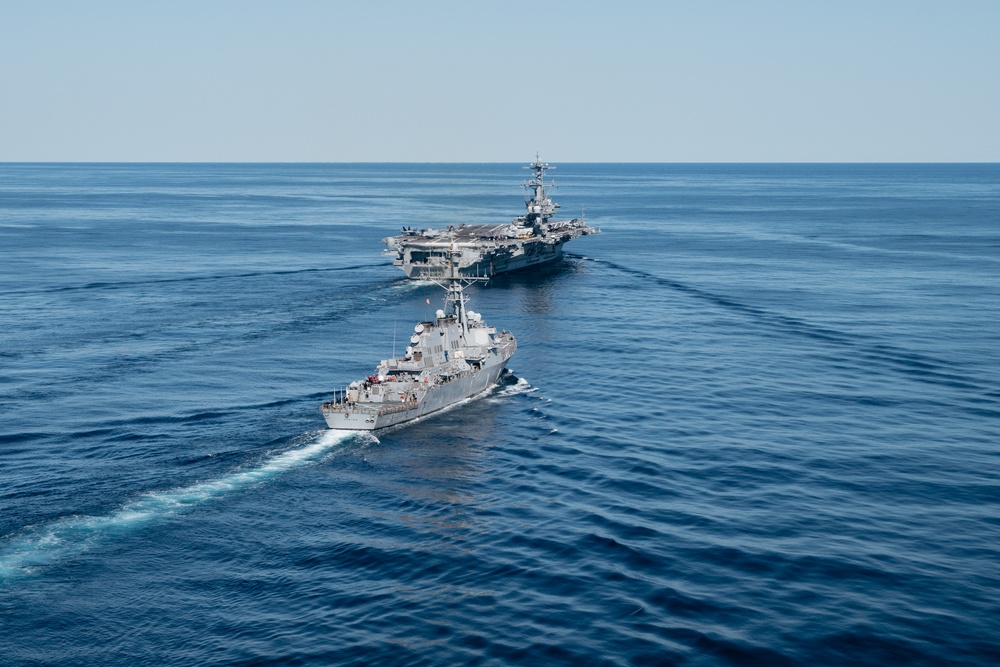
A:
539, 653
148, 362
625, 531
849, 571
916, 366
636, 488
14, 438
129, 284
677, 604
614, 551
525, 453
739, 652
174, 419
866, 645
549, 548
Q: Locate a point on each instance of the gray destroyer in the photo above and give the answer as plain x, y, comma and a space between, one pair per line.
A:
531, 239
451, 358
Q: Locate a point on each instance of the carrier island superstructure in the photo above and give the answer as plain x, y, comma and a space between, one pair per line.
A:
528, 240
450, 358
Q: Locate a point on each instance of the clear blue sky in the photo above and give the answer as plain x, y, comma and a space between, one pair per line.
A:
622, 81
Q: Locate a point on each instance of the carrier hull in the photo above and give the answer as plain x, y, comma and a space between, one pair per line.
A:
484, 263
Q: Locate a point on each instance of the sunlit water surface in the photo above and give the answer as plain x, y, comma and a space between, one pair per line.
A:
755, 422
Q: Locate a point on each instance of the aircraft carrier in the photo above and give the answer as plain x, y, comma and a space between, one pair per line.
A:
532, 239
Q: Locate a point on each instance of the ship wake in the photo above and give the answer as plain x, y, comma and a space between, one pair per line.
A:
48, 544
522, 386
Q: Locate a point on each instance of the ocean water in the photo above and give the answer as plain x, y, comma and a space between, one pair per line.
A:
755, 422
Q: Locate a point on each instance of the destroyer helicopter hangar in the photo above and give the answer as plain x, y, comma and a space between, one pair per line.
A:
531, 239
451, 358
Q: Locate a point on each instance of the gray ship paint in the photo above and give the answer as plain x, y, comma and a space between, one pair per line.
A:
453, 357
532, 239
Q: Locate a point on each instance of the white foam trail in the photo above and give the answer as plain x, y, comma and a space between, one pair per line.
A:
522, 386
368, 437
411, 285
51, 543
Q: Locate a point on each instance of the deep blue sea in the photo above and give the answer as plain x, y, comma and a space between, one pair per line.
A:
754, 422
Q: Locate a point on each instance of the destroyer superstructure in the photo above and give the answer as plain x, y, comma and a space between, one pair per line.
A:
528, 240
450, 358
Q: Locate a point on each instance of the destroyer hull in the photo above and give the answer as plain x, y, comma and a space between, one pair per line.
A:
369, 416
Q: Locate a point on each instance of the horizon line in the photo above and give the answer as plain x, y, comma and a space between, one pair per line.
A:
444, 162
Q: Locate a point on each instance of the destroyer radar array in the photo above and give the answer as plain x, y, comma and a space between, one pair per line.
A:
532, 239
450, 358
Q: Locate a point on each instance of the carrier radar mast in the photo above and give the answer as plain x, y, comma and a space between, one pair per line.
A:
540, 207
